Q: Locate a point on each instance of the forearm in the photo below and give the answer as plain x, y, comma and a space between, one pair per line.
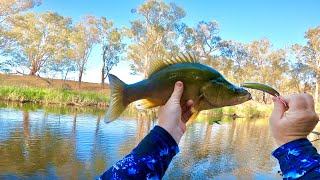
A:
298, 159
149, 159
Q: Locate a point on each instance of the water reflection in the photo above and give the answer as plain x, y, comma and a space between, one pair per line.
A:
42, 143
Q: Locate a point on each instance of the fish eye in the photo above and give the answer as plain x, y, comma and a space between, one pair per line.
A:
235, 90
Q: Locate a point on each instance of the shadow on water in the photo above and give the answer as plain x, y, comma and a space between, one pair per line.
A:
44, 142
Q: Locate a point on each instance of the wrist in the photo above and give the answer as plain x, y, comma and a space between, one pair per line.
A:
284, 140
176, 133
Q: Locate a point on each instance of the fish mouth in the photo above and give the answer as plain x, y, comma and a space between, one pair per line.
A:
249, 97
245, 98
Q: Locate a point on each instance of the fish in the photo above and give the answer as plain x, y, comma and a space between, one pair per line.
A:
203, 84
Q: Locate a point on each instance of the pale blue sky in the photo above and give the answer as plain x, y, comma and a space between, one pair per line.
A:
284, 22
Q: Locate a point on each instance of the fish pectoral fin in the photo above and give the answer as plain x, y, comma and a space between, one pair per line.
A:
145, 104
195, 114
197, 101
194, 110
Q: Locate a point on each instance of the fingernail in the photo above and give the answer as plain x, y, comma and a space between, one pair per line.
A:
179, 84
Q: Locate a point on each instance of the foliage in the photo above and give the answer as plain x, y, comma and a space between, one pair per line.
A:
309, 55
233, 60
36, 39
202, 39
9, 8
83, 37
50, 96
257, 62
112, 47
154, 34
62, 68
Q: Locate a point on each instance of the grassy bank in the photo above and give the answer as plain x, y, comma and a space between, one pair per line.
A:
52, 96
248, 110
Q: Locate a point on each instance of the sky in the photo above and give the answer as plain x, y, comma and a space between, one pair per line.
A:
283, 22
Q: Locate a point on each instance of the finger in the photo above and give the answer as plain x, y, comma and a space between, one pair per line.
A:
298, 101
183, 126
187, 106
177, 92
186, 116
279, 108
310, 100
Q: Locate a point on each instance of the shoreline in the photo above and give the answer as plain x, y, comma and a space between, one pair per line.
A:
47, 96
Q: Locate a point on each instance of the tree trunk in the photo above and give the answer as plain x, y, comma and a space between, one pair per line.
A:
102, 74
264, 98
65, 77
317, 90
80, 79
146, 68
33, 71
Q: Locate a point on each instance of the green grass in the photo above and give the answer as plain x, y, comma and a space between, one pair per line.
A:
247, 110
52, 96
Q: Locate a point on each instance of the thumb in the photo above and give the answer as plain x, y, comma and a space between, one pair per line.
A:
177, 92
278, 110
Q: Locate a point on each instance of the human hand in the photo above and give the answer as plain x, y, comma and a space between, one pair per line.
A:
299, 120
172, 117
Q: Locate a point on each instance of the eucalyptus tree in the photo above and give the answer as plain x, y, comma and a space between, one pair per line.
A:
153, 34
84, 35
309, 55
267, 65
203, 40
12, 7
234, 62
301, 78
112, 46
257, 61
62, 68
36, 39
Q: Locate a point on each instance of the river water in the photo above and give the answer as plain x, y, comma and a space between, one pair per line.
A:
41, 142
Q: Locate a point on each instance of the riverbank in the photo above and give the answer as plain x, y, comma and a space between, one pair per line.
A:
52, 91
52, 96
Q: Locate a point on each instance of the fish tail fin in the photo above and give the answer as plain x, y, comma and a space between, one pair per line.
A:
117, 104
193, 117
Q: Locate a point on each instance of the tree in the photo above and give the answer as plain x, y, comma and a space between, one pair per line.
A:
257, 62
85, 34
110, 38
301, 78
310, 55
234, 55
203, 40
153, 34
62, 68
9, 8
36, 39
12, 7
264, 61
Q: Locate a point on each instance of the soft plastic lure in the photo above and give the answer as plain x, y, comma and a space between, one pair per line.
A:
263, 87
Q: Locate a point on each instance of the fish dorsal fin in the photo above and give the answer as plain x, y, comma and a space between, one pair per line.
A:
157, 64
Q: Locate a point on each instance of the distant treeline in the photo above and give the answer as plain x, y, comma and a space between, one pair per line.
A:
43, 44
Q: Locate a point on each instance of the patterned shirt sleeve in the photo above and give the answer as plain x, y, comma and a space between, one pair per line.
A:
149, 160
298, 159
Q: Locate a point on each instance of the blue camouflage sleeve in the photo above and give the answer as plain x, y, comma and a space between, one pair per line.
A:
298, 159
149, 160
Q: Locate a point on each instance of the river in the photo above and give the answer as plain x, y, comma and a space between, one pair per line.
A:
51, 142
